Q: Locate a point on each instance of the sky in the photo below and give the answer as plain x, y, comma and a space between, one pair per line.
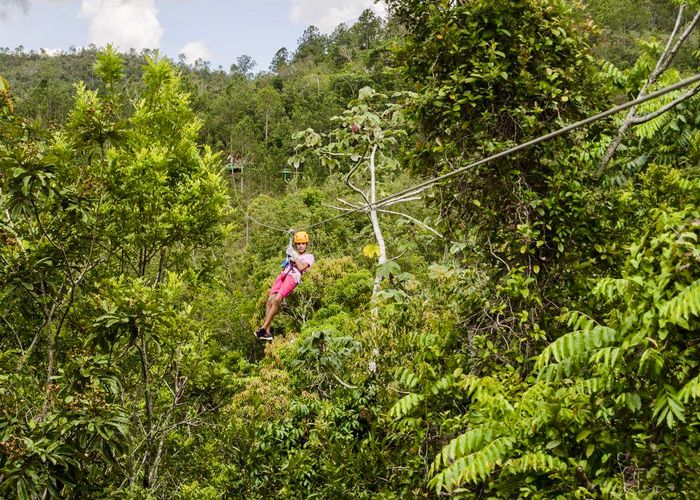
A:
218, 31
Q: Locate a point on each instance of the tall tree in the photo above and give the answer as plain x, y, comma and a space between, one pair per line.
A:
99, 217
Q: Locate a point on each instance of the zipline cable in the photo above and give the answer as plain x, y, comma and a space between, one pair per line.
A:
430, 182
263, 224
247, 215
551, 135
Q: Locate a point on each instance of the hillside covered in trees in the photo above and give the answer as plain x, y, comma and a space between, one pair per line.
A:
528, 328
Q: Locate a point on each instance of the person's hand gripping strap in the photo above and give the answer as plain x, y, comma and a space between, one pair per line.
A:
291, 252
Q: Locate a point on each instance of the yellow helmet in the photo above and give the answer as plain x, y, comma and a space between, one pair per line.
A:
301, 237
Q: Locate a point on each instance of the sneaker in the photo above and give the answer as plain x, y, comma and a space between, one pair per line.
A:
263, 335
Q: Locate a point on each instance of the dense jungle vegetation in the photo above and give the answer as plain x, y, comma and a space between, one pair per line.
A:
530, 328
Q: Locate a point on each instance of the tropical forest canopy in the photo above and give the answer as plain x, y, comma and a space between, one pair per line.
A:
528, 328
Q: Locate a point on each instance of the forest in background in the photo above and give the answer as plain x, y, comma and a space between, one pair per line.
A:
527, 329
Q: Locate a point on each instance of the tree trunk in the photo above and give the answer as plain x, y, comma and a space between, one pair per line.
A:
267, 115
149, 413
178, 391
375, 221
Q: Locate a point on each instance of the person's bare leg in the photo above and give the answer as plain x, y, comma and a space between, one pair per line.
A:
269, 304
272, 307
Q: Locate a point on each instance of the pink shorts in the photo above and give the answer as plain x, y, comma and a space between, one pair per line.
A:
283, 285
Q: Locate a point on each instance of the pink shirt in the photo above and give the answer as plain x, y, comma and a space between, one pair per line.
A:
304, 257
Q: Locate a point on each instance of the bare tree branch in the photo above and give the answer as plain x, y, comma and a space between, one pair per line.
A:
178, 390
408, 196
347, 386
637, 120
352, 171
400, 200
676, 27
686, 33
662, 65
412, 219
12, 227
342, 209
353, 205
11, 327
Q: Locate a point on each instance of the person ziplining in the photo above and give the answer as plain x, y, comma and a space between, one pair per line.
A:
299, 261
296, 264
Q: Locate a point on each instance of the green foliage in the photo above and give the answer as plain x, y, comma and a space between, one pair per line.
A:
5, 95
86, 213
546, 347
625, 24
62, 446
493, 75
246, 114
475, 466
324, 353
569, 350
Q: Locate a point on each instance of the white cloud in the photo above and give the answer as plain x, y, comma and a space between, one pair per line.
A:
124, 23
7, 5
24, 4
196, 50
327, 14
